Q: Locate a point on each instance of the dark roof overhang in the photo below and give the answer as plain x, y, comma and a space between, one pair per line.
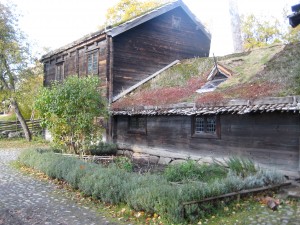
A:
233, 106
294, 19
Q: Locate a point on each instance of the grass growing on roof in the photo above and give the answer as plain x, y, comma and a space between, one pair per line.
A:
174, 85
272, 71
180, 74
250, 65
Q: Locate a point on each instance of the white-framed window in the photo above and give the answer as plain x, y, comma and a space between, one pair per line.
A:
206, 126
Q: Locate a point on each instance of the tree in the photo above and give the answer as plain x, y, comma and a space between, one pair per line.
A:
260, 32
291, 35
14, 58
30, 82
69, 110
235, 26
127, 9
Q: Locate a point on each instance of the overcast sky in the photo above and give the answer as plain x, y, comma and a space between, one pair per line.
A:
55, 23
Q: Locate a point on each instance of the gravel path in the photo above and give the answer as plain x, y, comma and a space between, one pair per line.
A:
27, 201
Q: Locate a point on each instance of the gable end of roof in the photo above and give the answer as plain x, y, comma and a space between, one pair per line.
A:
155, 13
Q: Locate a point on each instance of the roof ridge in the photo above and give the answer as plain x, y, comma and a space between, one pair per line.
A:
131, 23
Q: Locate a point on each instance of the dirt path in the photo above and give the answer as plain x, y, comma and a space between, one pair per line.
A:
25, 200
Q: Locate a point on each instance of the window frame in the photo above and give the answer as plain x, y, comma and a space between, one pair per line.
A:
206, 134
92, 54
139, 129
176, 22
60, 76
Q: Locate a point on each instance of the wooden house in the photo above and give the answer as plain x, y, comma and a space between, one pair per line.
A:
125, 54
243, 104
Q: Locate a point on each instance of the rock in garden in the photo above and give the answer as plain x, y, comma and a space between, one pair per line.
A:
271, 202
14, 135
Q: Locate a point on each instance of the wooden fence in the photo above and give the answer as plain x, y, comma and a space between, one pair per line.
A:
15, 126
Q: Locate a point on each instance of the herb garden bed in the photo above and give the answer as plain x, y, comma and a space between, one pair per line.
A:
182, 193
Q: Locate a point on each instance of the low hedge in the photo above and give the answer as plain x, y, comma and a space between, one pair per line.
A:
103, 148
149, 193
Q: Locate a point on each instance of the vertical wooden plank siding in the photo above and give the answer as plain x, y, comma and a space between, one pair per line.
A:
299, 156
110, 64
75, 60
111, 67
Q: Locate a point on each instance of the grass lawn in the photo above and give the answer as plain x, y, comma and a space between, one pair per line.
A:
252, 211
8, 117
23, 143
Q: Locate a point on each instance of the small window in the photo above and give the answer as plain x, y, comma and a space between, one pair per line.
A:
92, 63
137, 124
59, 73
206, 126
176, 22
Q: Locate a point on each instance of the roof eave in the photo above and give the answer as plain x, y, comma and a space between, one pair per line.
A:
196, 20
233, 106
73, 44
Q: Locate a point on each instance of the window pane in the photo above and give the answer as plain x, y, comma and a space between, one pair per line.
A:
95, 63
176, 22
211, 124
90, 64
59, 72
137, 123
133, 124
142, 123
199, 125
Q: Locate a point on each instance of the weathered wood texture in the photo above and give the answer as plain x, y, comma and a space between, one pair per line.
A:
15, 126
75, 61
271, 139
152, 45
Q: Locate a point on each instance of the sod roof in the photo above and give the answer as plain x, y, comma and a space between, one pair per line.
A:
266, 72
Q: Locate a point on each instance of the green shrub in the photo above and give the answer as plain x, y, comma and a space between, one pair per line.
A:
77, 172
68, 109
241, 166
191, 170
103, 148
86, 185
109, 185
124, 163
88, 182
142, 191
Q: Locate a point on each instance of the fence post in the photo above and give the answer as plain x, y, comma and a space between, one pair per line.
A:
16, 124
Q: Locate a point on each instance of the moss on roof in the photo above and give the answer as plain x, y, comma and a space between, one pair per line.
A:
266, 72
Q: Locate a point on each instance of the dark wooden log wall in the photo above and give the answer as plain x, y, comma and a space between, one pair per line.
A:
271, 139
75, 61
149, 47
